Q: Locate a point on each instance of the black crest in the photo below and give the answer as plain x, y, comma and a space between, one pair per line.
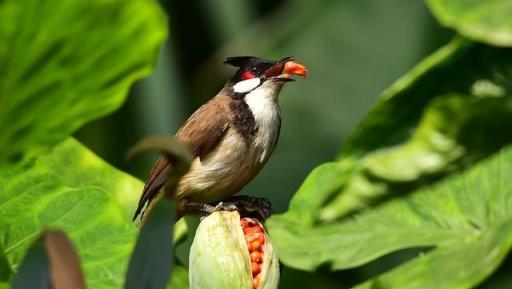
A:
241, 61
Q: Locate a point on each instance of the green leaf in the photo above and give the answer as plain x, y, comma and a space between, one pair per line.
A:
467, 218
438, 119
182, 245
179, 278
463, 264
34, 272
72, 189
321, 183
151, 261
5, 270
66, 63
499, 280
486, 21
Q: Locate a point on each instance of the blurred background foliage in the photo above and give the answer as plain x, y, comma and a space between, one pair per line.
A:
354, 50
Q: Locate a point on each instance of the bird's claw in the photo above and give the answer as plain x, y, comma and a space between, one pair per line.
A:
259, 208
223, 206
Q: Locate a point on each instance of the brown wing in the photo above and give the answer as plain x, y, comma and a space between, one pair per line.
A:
201, 132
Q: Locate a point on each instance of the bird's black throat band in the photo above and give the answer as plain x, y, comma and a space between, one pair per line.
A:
243, 119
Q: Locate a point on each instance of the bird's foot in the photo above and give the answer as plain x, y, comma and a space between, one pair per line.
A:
259, 208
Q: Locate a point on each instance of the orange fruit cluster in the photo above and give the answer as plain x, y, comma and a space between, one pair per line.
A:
255, 238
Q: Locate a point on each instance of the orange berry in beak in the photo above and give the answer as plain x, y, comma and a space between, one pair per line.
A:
295, 68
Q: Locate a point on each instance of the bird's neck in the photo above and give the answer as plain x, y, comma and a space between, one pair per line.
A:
257, 118
262, 102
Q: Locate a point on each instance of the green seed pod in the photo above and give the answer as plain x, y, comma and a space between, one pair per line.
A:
228, 252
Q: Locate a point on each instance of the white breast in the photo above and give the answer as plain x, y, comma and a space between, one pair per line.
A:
262, 102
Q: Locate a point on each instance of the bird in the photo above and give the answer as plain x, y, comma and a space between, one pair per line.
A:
231, 136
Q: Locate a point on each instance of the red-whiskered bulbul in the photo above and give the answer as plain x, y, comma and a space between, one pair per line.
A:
231, 136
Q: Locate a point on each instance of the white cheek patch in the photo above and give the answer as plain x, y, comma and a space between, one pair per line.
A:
247, 85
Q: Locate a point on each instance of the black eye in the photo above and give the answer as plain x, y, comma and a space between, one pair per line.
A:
254, 69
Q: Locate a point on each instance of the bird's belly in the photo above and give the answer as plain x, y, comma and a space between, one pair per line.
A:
224, 171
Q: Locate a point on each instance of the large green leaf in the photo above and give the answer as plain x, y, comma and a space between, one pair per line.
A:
461, 264
449, 112
467, 219
500, 279
71, 189
63, 63
487, 21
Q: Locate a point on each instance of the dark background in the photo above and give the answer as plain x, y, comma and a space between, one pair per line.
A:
354, 49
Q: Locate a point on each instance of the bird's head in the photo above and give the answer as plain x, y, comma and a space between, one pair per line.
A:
254, 73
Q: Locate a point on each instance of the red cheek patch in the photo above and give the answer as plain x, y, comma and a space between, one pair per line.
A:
247, 75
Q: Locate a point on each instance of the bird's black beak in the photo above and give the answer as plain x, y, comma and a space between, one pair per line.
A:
284, 69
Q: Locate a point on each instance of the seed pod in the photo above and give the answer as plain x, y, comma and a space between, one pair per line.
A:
231, 253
